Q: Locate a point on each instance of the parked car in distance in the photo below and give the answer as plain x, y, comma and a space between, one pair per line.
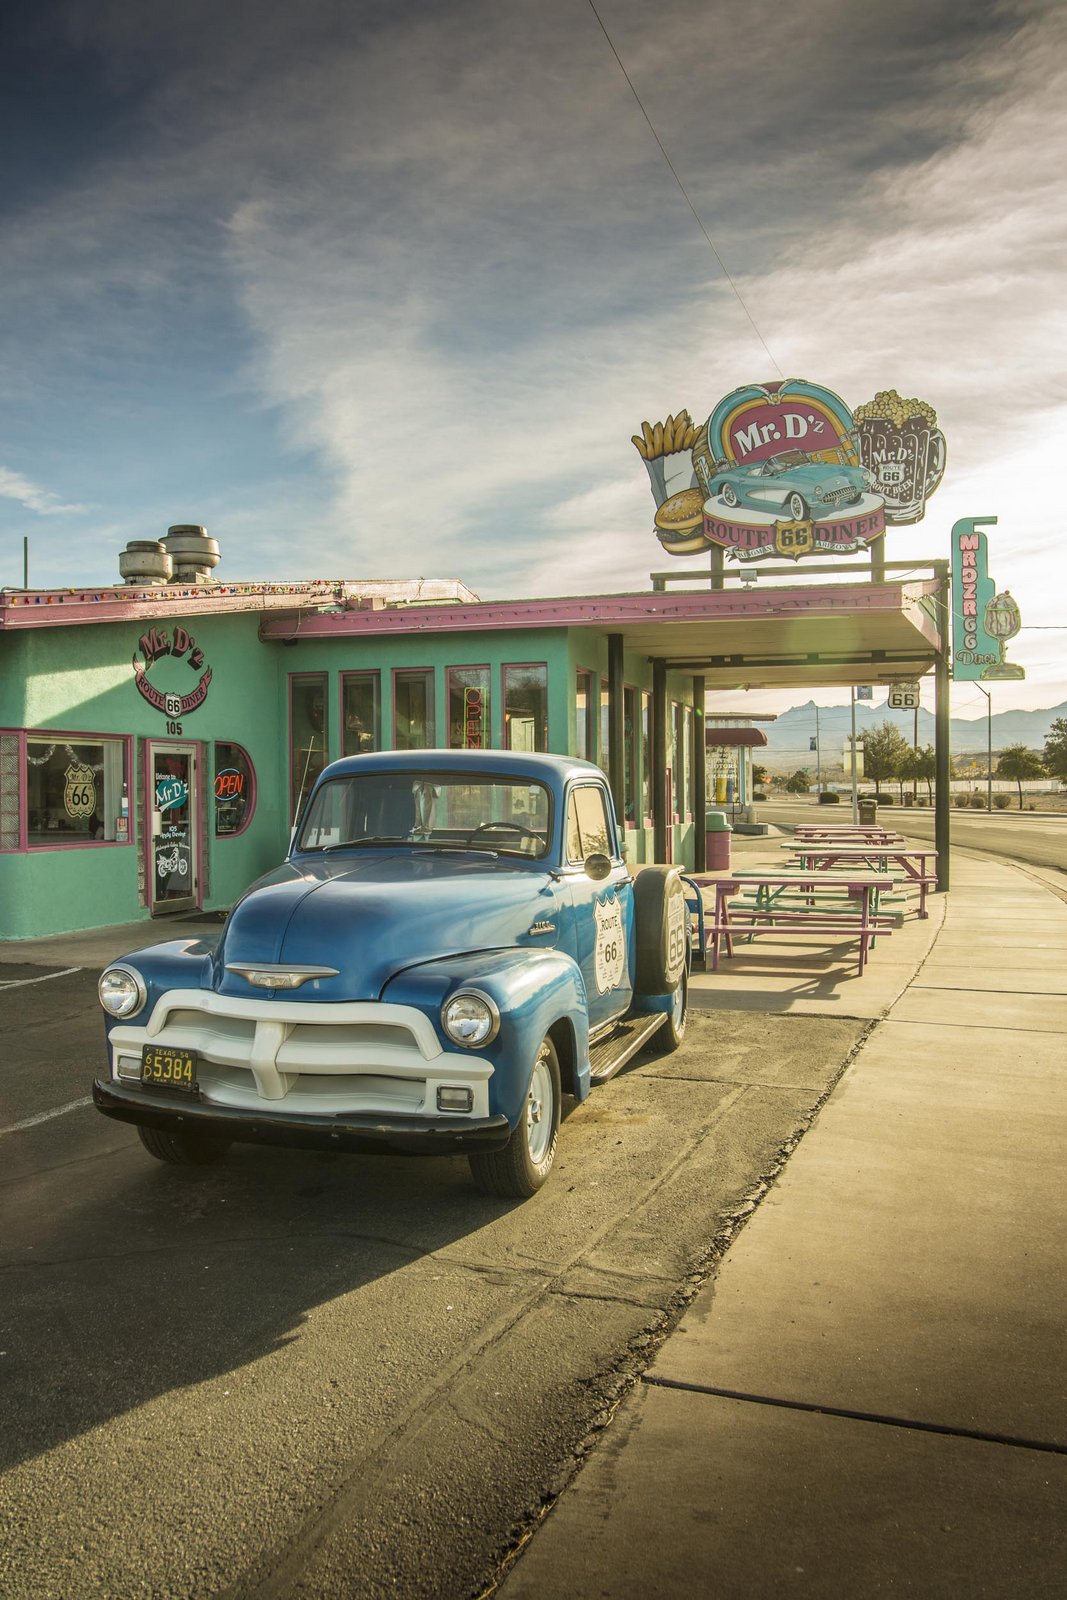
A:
453, 943
790, 482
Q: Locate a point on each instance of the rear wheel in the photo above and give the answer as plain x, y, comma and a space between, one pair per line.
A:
729, 495
670, 1036
183, 1149
519, 1169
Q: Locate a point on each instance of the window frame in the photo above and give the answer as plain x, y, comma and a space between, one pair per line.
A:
428, 673
614, 851
54, 736
512, 666
374, 676
292, 799
469, 666
590, 712
250, 808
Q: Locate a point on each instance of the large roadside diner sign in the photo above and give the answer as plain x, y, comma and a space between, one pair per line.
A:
982, 620
787, 470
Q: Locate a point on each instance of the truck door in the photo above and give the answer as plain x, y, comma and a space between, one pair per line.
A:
603, 907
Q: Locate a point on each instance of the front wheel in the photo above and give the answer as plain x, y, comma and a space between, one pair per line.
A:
672, 1032
519, 1169
729, 495
183, 1149
798, 507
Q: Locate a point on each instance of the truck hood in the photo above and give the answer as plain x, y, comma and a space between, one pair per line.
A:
372, 915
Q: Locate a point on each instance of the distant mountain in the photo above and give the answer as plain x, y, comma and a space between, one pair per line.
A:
788, 739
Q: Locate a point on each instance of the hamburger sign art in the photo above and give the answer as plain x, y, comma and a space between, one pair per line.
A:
787, 470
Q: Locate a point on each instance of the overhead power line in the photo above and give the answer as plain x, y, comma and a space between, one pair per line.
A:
685, 193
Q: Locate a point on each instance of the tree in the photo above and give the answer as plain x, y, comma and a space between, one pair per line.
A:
926, 768
799, 783
1056, 750
884, 748
1020, 763
907, 767
760, 779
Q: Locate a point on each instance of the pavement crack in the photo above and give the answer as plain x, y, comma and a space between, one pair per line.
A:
883, 1419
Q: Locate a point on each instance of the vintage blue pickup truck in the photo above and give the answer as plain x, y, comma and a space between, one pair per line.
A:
454, 943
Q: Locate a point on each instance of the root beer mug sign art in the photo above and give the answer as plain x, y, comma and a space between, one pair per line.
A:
787, 470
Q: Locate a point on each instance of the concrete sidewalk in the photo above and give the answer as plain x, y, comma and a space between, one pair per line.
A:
871, 1396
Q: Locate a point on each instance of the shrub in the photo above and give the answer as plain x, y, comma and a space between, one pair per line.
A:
962, 801
759, 795
1002, 801
922, 801
977, 801
829, 798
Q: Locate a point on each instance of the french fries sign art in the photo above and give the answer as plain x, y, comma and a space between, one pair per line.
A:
787, 470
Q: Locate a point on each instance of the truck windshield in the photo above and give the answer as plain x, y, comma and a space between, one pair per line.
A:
427, 811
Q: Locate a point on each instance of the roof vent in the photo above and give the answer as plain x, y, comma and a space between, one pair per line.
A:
194, 555
145, 561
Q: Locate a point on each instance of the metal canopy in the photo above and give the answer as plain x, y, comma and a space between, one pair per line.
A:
836, 634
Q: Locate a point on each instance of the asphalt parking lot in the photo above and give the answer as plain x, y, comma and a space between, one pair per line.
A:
311, 1374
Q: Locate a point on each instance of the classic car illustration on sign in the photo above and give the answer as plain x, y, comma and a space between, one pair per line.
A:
792, 483
453, 944
786, 469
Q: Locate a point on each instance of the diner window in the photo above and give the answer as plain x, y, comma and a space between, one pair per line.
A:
646, 756
629, 720
413, 710
468, 708
605, 728
361, 723
679, 761
76, 791
235, 789
526, 707
583, 712
307, 736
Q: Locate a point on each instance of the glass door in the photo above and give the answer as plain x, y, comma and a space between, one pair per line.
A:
175, 813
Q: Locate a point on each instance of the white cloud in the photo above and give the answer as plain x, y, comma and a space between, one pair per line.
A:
13, 486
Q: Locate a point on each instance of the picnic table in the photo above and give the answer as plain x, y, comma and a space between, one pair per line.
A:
876, 855
844, 832
808, 910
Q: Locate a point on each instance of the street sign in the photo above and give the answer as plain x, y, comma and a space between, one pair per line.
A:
864, 691
904, 697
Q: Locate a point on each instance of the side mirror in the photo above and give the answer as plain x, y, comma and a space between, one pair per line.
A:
597, 865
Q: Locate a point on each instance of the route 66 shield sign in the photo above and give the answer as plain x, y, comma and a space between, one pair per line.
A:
79, 791
794, 539
610, 954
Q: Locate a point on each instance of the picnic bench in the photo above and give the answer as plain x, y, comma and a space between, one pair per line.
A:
916, 864
792, 903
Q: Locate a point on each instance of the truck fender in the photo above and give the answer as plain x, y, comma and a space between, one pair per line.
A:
536, 992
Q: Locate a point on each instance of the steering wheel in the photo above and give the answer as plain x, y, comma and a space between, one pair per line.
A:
505, 827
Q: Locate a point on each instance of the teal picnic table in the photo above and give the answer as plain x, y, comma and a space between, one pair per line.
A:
913, 864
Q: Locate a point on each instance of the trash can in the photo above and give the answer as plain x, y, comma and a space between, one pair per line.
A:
909, 799
717, 833
868, 810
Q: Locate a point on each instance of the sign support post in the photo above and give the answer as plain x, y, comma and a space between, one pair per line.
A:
942, 825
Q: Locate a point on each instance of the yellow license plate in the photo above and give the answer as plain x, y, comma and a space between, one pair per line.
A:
162, 1068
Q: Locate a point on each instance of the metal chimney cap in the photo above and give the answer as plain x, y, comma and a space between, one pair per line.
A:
192, 529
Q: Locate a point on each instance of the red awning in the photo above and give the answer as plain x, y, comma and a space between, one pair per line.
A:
718, 738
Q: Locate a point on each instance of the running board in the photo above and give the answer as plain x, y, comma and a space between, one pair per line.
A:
609, 1057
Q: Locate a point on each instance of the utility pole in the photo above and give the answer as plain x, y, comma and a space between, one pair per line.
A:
988, 747
818, 755
855, 801
25, 561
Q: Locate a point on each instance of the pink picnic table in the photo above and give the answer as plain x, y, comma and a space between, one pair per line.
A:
877, 855
863, 887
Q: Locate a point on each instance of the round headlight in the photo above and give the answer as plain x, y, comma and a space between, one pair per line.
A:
470, 1019
122, 992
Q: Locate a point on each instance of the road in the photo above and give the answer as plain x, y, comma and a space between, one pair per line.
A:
1021, 836
317, 1375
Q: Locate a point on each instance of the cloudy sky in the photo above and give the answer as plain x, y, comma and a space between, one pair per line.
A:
384, 290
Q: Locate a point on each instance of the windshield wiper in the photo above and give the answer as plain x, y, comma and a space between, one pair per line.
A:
365, 839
